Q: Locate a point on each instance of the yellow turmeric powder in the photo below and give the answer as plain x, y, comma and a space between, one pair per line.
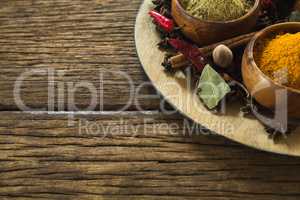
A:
279, 58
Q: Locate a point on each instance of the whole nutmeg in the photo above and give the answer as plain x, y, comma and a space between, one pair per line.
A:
222, 56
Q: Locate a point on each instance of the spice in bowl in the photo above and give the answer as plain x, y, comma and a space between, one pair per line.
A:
279, 59
217, 10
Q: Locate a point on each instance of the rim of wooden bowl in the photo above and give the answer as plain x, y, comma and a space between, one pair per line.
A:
248, 14
252, 44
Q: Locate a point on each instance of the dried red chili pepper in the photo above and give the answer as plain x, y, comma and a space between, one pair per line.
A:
267, 4
190, 51
163, 22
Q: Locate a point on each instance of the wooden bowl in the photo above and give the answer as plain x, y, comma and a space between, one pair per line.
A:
207, 32
297, 5
261, 87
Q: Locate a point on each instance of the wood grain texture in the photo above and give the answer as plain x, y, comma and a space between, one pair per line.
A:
142, 156
81, 39
43, 158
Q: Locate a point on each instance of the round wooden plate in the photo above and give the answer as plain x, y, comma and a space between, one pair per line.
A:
178, 93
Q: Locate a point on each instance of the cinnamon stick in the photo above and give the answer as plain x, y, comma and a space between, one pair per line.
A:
180, 61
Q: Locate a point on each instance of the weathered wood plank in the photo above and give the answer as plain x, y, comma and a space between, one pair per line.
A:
80, 41
144, 156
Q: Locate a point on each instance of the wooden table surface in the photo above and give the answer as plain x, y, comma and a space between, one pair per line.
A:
50, 151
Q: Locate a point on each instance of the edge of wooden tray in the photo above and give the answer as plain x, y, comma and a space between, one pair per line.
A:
235, 127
